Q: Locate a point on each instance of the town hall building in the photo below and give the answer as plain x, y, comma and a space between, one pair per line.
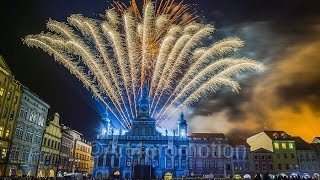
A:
142, 152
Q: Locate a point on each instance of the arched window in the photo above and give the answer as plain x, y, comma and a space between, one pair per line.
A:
150, 131
136, 131
143, 131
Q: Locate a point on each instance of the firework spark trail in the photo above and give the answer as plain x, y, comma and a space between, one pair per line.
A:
202, 58
187, 51
158, 51
163, 55
197, 80
78, 46
71, 66
120, 53
90, 62
211, 86
161, 61
177, 48
199, 87
89, 28
172, 56
134, 55
148, 27
183, 58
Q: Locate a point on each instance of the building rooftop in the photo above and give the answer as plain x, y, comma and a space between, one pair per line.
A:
278, 135
261, 150
236, 141
301, 144
215, 135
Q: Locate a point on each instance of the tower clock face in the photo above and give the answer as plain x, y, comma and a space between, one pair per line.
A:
144, 108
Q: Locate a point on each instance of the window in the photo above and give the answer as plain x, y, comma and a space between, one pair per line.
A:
269, 157
1, 91
5, 112
49, 140
168, 151
283, 145
23, 112
290, 145
292, 155
25, 155
276, 145
15, 100
262, 157
263, 166
183, 163
183, 151
156, 163
136, 131
116, 162
29, 135
100, 161
33, 116
11, 115
278, 156
271, 166
9, 95
255, 157
37, 139
287, 166
256, 166
7, 133
204, 151
285, 155
168, 162
3, 154
41, 121
279, 166
1, 131
176, 162
19, 132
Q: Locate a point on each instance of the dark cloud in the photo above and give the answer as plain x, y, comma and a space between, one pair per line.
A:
289, 85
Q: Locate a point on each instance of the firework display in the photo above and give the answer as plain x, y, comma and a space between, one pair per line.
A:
158, 47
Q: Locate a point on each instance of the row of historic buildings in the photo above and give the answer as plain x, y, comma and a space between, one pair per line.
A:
32, 144
144, 153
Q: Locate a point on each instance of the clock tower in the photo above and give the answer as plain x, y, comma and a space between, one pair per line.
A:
144, 105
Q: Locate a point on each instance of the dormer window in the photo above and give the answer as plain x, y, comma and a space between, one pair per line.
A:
284, 135
275, 135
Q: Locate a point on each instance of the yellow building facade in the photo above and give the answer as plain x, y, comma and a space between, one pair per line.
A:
51, 144
283, 149
83, 153
10, 95
82, 161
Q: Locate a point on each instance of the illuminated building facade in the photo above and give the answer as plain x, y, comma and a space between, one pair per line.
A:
307, 157
51, 143
10, 94
241, 158
210, 155
142, 152
82, 153
66, 151
26, 143
262, 161
282, 147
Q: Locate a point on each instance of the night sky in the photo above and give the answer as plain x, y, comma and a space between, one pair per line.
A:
284, 35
